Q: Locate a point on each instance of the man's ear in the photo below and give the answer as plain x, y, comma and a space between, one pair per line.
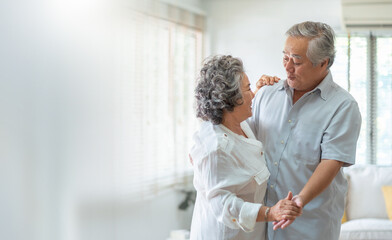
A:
325, 62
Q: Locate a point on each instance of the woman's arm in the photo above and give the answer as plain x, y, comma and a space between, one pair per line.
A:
219, 175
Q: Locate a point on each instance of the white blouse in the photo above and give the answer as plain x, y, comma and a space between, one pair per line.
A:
230, 176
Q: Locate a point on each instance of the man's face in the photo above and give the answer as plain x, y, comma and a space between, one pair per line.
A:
301, 74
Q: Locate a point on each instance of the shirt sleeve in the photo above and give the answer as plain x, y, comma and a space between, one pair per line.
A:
218, 175
340, 138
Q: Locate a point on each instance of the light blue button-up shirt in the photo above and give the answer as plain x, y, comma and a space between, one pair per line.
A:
323, 124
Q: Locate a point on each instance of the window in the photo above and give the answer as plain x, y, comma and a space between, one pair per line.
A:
156, 114
363, 66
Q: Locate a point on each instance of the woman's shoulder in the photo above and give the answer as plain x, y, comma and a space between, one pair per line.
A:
211, 140
217, 139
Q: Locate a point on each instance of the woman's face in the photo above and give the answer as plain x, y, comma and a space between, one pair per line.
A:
244, 110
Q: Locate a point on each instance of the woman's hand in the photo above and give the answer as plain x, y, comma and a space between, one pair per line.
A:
266, 80
285, 209
285, 222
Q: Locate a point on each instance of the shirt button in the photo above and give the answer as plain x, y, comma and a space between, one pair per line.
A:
276, 163
289, 120
225, 134
272, 185
282, 142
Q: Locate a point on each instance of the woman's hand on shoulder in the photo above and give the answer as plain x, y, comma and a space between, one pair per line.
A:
266, 80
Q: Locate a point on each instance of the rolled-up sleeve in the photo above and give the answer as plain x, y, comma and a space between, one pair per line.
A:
216, 171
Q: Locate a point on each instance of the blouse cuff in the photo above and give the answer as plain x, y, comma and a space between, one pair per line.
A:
248, 216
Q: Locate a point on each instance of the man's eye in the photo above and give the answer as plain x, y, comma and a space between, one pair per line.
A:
297, 63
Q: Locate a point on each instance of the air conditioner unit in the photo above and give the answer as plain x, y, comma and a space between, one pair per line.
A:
367, 14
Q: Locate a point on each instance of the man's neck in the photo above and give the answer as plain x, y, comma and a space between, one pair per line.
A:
299, 93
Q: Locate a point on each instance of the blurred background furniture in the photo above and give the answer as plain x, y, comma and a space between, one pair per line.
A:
366, 210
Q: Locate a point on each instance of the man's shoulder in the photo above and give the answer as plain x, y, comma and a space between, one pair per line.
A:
341, 94
267, 91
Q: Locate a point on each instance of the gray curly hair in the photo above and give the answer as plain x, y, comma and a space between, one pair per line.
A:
322, 41
218, 87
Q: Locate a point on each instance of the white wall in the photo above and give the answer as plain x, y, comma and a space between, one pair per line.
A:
58, 78
254, 30
57, 101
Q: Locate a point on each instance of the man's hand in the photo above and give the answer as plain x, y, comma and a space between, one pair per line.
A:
285, 222
266, 80
285, 209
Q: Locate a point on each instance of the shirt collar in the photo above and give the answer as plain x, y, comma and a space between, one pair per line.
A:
324, 87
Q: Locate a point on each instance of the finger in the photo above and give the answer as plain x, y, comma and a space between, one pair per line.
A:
286, 224
296, 212
289, 196
292, 213
276, 79
279, 224
289, 217
292, 207
262, 78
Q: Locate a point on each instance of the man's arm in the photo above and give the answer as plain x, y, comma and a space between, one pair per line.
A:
325, 172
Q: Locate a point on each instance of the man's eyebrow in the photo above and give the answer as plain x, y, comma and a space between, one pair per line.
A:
293, 55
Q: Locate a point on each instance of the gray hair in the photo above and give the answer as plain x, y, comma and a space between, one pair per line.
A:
218, 87
322, 40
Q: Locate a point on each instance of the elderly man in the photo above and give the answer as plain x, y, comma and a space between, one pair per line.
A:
309, 126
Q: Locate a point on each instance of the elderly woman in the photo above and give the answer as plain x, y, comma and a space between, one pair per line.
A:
230, 173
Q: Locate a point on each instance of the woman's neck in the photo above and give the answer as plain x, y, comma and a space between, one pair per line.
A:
233, 124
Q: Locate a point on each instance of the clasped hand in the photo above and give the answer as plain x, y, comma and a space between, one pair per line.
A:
296, 211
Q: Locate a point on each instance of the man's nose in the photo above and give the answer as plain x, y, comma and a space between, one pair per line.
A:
289, 66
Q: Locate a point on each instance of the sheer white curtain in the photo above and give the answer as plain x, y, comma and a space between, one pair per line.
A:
363, 66
156, 118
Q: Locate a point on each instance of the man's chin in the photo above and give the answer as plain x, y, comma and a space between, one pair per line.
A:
291, 82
